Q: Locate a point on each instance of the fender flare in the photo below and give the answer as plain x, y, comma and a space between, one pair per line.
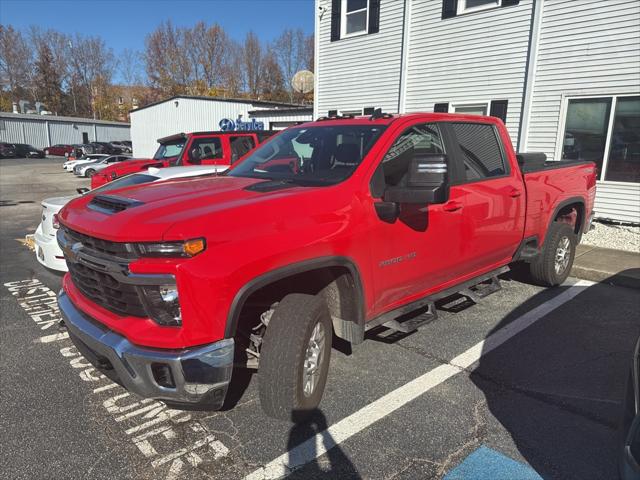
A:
560, 206
294, 269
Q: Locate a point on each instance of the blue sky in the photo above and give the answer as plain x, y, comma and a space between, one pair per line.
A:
125, 23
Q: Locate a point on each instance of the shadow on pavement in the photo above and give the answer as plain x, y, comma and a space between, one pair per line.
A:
561, 399
333, 464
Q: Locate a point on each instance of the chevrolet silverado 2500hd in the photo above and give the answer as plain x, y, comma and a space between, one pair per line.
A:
329, 228
185, 149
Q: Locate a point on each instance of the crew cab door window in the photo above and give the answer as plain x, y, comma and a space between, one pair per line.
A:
240, 146
419, 139
481, 152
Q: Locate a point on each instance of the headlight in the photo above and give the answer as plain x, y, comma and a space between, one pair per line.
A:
188, 248
163, 304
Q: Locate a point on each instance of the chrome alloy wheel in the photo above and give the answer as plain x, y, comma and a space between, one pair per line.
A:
563, 254
313, 360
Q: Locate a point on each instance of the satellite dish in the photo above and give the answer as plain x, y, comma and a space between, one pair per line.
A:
303, 81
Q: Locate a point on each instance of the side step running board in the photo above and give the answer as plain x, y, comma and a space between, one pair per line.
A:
413, 323
406, 320
482, 290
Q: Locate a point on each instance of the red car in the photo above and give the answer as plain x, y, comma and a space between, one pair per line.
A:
198, 148
59, 150
329, 228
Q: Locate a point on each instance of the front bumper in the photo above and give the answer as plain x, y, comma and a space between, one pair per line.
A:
199, 375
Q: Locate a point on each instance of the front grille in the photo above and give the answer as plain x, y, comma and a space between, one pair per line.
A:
116, 249
106, 291
99, 287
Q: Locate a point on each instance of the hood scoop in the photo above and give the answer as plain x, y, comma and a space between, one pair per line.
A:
270, 186
110, 204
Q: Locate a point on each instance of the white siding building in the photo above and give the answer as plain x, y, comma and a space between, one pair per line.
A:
42, 131
197, 114
564, 75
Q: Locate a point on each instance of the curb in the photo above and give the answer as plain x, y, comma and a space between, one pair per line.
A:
615, 279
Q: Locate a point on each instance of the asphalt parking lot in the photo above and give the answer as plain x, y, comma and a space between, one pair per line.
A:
526, 384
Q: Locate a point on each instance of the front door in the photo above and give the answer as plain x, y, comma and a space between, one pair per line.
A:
421, 250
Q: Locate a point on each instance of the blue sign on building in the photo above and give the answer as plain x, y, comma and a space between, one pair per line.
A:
226, 124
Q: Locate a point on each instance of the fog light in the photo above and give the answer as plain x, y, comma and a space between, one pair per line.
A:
163, 304
169, 293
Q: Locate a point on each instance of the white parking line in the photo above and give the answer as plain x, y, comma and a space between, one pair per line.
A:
347, 427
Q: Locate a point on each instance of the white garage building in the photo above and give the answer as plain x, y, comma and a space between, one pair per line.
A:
42, 131
564, 75
194, 114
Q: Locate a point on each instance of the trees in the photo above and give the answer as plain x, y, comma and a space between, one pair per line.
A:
74, 75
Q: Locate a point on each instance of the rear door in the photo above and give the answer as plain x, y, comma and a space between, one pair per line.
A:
493, 210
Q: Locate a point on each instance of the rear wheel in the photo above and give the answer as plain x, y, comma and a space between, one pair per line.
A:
90, 173
553, 265
294, 360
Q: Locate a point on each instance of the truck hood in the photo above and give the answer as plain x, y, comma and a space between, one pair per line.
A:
187, 207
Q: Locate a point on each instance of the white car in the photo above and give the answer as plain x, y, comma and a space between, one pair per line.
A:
69, 164
91, 168
48, 251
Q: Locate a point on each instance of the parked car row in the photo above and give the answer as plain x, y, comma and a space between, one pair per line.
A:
20, 150
81, 150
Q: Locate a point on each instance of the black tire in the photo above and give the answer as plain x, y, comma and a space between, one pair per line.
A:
90, 173
543, 269
283, 353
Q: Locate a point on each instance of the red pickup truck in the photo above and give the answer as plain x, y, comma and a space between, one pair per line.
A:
329, 228
183, 149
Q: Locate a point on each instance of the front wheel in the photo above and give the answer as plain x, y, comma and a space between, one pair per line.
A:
294, 360
553, 265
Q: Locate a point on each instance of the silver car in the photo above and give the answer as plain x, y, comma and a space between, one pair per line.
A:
91, 168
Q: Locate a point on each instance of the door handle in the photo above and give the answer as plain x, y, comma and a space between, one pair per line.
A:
452, 206
515, 193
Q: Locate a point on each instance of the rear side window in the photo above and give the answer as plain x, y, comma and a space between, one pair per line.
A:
240, 146
480, 149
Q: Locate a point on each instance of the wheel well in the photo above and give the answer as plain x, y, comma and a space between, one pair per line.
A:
572, 214
336, 284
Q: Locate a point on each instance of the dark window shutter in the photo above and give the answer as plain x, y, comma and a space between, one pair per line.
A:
499, 109
441, 107
332, 113
335, 20
449, 8
374, 16
509, 3
368, 111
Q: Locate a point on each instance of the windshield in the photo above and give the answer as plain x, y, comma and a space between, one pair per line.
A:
128, 181
169, 150
322, 155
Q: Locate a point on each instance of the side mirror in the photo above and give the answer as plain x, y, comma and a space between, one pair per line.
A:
427, 182
82, 190
194, 155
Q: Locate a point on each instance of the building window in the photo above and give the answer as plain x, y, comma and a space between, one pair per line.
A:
605, 130
355, 17
468, 6
477, 109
